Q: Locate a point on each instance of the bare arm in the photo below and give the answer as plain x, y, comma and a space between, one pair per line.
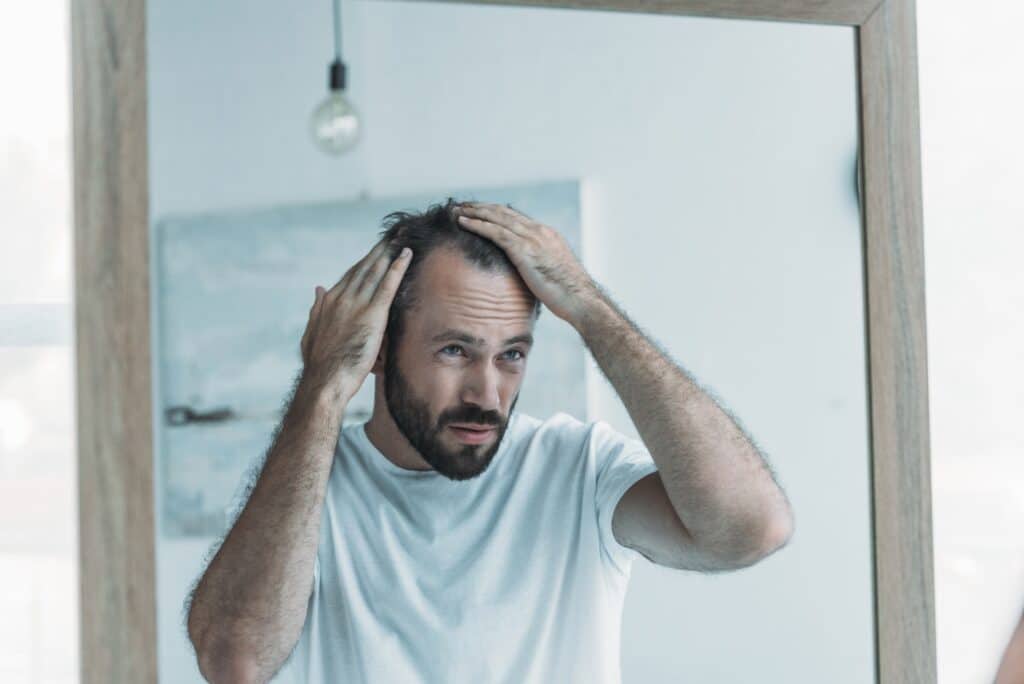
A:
728, 509
731, 510
248, 609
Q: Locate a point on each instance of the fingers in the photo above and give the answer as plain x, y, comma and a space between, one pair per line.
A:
493, 223
356, 272
498, 234
369, 261
311, 324
495, 213
385, 292
318, 303
371, 276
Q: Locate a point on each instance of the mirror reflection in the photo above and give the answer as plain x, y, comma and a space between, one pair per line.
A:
606, 422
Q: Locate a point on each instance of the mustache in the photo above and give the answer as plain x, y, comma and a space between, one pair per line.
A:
471, 414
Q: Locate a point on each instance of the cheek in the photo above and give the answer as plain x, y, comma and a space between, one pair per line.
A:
441, 388
509, 389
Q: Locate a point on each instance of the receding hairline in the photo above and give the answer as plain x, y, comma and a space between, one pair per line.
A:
498, 268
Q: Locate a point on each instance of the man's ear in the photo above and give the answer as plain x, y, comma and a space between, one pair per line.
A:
378, 364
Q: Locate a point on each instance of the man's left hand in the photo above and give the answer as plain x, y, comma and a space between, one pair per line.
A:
543, 258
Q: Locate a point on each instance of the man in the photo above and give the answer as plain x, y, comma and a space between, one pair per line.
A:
449, 539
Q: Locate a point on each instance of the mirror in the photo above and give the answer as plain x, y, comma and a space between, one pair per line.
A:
704, 171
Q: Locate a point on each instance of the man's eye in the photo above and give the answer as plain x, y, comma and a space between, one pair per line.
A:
516, 351
452, 346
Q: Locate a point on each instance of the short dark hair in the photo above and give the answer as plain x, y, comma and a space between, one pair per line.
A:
425, 232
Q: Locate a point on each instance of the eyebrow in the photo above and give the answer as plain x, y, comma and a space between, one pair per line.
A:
463, 336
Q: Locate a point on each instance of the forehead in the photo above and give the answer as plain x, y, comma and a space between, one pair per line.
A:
454, 293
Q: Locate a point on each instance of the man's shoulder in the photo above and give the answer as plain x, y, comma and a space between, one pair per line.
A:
556, 422
563, 430
559, 429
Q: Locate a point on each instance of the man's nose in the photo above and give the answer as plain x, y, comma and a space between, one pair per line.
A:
481, 387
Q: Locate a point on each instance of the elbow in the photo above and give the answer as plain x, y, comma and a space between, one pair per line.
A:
780, 532
233, 672
775, 536
759, 545
228, 668
222, 662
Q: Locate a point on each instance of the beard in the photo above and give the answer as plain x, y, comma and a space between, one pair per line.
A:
412, 416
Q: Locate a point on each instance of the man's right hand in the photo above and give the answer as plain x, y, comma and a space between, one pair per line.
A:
346, 323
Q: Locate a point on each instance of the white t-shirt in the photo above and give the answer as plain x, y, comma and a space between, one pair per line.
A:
512, 576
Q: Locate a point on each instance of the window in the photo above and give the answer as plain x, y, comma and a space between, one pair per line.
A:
38, 485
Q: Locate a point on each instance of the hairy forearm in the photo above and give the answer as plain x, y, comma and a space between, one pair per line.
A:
249, 607
719, 484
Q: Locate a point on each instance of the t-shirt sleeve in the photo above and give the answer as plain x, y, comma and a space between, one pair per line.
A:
621, 461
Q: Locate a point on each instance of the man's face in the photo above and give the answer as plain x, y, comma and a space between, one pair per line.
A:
460, 363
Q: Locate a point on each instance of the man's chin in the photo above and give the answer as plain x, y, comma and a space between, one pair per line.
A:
467, 461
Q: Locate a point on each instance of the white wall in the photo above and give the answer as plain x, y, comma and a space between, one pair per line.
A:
973, 173
717, 162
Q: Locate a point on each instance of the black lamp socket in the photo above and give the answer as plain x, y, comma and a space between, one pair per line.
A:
336, 75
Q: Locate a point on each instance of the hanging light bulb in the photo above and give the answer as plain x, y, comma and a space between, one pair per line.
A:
335, 122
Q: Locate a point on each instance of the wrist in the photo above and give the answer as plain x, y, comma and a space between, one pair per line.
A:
323, 393
589, 316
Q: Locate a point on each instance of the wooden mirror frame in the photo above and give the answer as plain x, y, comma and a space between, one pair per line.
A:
112, 323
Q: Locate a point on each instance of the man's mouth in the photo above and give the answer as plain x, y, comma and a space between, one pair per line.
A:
471, 432
472, 426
